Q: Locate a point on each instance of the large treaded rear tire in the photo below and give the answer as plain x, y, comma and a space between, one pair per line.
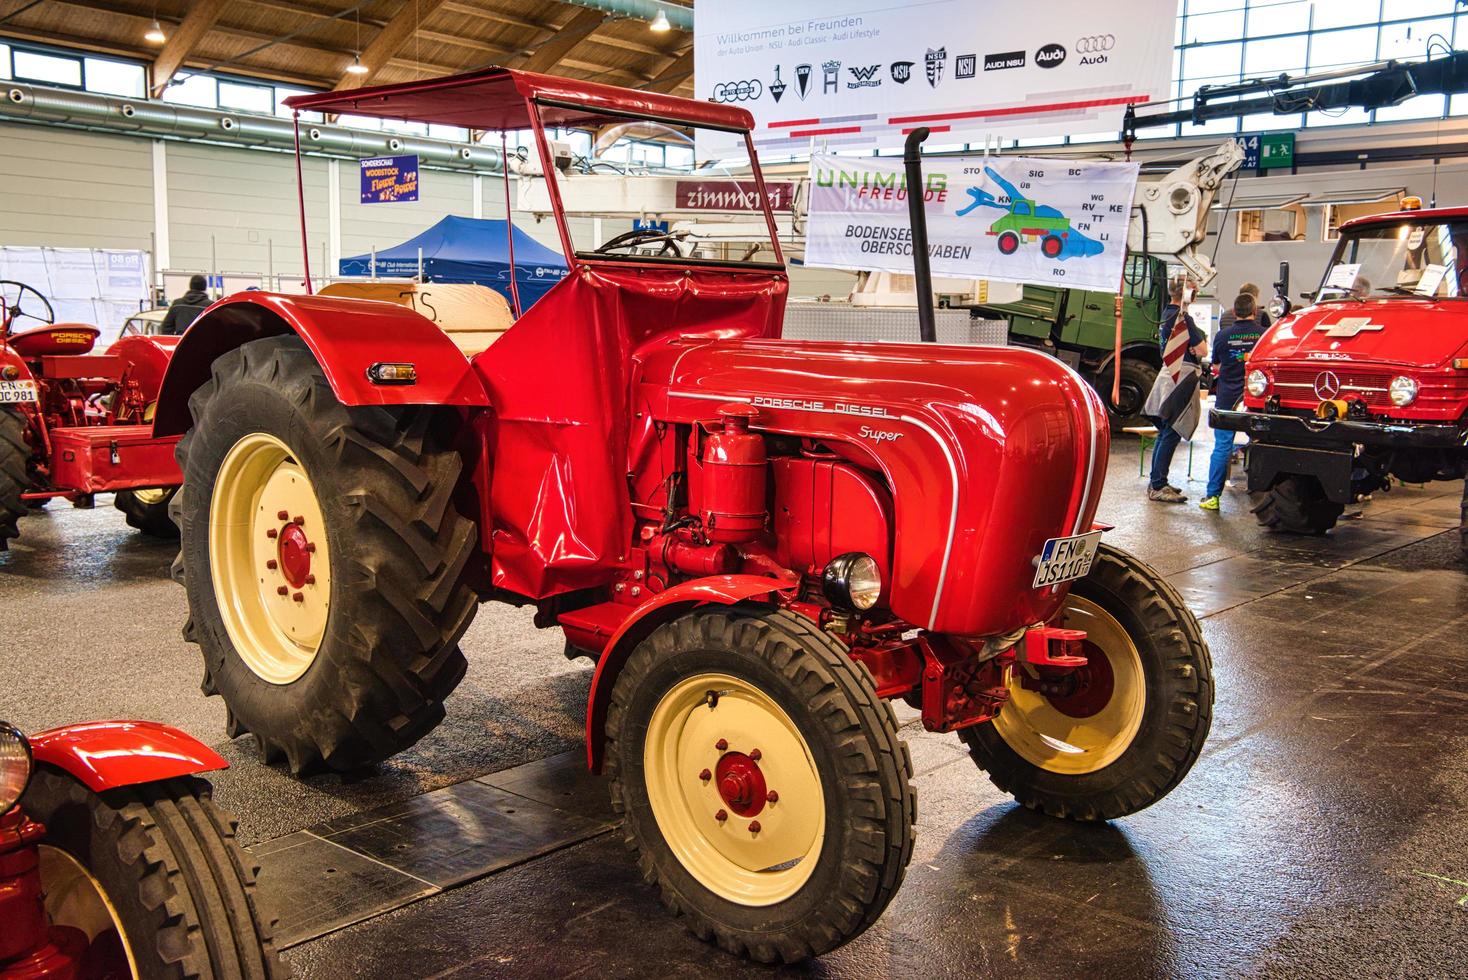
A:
1295, 504
1176, 716
166, 858
1137, 378
399, 600
1463, 524
150, 517
851, 734
14, 475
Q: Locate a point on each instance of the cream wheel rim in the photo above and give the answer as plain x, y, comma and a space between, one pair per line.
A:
269, 558
1076, 743
734, 789
152, 496
76, 899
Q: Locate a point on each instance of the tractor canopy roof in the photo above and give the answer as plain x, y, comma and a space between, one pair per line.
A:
499, 99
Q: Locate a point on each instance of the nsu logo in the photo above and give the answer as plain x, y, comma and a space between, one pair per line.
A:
1050, 56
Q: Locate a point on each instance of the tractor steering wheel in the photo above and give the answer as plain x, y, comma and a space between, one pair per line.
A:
643, 236
12, 294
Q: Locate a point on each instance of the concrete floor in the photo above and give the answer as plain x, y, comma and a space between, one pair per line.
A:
1321, 833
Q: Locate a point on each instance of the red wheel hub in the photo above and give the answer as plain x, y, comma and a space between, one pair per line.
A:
295, 555
1094, 686
741, 784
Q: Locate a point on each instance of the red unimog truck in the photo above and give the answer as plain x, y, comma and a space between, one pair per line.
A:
759, 541
1368, 382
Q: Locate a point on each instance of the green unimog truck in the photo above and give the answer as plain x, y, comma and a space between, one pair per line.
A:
1079, 327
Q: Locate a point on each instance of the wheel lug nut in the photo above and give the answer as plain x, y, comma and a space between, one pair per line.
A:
282, 590
754, 826
282, 515
298, 521
721, 816
272, 564
310, 579
705, 775
721, 744
772, 797
298, 597
754, 754
310, 547
272, 533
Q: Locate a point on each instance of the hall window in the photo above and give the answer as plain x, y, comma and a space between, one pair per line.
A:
1285, 224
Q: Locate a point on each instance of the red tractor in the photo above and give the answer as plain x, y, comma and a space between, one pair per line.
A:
73, 423
759, 541
115, 861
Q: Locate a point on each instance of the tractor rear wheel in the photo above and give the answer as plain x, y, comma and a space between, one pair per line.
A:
1137, 379
149, 881
324, 560
761, 781
1051, 246
15, 479
147, 510
1295, 504
1463, 523
1137, 719
1008, 242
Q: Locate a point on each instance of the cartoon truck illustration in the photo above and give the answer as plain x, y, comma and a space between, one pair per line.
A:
1025, 221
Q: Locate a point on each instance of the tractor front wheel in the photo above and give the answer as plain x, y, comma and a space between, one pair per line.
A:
761, 782
1136, 716
1051, 245
15, 479
147, 510
1008, 243
148, 881
1295, 504
324, 560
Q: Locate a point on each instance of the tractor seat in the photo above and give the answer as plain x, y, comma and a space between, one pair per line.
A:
470, 315
55, 338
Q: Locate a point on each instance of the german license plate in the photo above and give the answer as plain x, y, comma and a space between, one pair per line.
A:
1066, 559
17, 391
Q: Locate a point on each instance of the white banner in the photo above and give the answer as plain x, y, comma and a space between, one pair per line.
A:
860, 74
99, 286
1011, 219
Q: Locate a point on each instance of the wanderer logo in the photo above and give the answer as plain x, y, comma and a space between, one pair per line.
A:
745, 91
1095, 43
865, 76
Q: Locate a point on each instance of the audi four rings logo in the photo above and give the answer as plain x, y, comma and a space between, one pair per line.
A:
745, 91
1095, 43
1327, 385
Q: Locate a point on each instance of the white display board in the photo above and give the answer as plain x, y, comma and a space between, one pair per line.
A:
861, 74
102, 287
1010, 219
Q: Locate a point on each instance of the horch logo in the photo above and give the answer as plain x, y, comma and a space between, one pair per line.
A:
1093, 47
831, 76
965, 66
1050, 56
864, 76
934, 62
901, 71
802, 80
1003, 60
745, 91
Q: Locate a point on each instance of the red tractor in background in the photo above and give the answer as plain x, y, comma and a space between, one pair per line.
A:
759, 541
73, 423
116, 863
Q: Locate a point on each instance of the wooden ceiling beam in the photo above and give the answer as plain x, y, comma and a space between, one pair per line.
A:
675, 74
473, 10
318, 10
389, 41
550, 51
181, 43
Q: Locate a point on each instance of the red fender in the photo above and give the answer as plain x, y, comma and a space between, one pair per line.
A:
104, 755
347, 336
665, 607
12, 366
147, 356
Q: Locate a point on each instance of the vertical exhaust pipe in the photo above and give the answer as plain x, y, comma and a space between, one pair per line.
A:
912, 160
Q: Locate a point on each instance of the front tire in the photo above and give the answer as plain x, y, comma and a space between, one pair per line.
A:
1008, 243
324, 560
1295, 504
153, 878
761, 782
1137, 379
1137, 718
148, 510
15, 478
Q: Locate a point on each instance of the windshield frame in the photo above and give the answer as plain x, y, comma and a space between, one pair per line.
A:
1350, 235
576, 257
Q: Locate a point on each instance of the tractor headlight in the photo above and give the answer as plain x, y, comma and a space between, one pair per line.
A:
1403, 390
1257, 383
15, 765
852, 581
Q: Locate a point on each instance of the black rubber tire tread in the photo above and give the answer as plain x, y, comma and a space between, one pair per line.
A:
400, 600
167, 858
1178, 672
15, 479
1463, 524
1134, 374
873, 788
1297, 505
152, 519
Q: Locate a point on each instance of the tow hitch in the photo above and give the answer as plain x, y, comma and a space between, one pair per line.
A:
1051, 646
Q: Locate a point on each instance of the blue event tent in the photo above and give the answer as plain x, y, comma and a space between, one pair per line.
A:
468, 250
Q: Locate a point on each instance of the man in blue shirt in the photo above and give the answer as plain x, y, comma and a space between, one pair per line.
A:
1231, 347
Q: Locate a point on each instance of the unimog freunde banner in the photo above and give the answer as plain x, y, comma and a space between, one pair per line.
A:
1011, 219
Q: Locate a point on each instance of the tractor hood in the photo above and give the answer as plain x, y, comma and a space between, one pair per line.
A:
988, 451
1405, 331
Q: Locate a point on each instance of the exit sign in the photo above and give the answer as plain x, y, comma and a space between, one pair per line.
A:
1267, 151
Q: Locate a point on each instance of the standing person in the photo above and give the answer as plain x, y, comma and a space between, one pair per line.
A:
1231, 349
186, 309
1173, 401
1226, 319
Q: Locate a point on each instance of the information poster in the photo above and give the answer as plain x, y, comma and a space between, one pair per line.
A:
387, 179
1010, 219
852, 75
102, 287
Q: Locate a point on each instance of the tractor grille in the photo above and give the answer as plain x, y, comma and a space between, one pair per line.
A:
1295, 384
